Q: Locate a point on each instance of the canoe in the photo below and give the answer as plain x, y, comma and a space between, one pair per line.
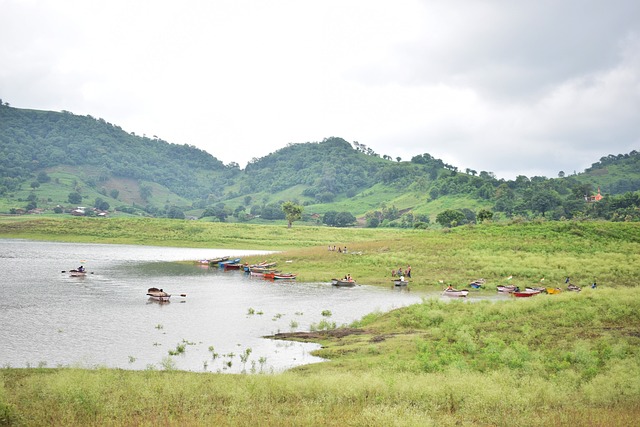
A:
574, 288
232, 266
158, 294
554, 290
455, 293
279, 276
398, 282
525, 293
342, 282
221, 264
506, 289
216, 261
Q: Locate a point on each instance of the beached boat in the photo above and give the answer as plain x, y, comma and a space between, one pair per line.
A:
455, 293
221, 264
554, 290
477, 284
216, 261
400, 282
279, 276
232, 266
505, 289
343, 282
573, 288
525, 293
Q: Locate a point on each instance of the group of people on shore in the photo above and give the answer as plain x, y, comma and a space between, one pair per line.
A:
341, 250
400, 273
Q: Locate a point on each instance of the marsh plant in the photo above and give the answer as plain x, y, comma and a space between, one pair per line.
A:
251, 311
326, 313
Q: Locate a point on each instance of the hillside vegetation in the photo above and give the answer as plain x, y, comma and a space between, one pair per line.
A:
58, 160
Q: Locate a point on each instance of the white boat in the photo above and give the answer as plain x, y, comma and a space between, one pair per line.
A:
455, 293
342, 282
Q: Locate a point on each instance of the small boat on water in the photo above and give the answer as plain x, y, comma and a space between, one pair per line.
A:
77, 273
343, 282
455, 292
400, 282
160, 295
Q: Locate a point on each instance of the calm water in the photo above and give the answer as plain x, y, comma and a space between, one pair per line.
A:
105, 319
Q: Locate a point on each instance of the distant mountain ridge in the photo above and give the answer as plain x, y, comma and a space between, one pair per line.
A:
97, 159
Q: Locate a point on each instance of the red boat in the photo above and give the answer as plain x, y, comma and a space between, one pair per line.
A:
525, 293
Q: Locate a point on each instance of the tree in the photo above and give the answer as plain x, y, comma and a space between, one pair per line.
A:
450, 218
114, 193
345, 219
101, 204
292, 212
484, 214
75, 198
329, 218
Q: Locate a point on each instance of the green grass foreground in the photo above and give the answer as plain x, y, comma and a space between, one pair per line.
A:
567, 359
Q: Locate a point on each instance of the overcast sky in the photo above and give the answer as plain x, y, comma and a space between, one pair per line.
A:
511, 87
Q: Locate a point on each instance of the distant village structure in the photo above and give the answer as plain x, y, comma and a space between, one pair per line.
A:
595, 198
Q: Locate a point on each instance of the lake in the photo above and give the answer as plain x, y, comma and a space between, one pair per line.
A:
105, 319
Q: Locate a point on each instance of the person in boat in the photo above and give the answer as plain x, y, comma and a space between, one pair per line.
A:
349, 278
81, 269
449, 288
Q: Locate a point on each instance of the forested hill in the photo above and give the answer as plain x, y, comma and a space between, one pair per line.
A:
51, 159
32, 140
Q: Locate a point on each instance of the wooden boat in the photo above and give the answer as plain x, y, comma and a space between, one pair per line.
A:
216, 261
455, 292
77, 273
262, 265
232, 266
343, 282
160, 295
279, 276
400, 282
261, 272
554, 290
573, 288
477, 284
525, 293
506, 289
221, 264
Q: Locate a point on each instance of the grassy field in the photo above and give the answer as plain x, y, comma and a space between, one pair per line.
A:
567, 359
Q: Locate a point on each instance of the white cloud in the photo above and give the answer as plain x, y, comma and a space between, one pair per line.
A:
509, 87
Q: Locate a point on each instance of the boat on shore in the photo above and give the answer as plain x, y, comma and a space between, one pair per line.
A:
506, 289
216, 261
525, 293
554, 290
280, 276
400, 282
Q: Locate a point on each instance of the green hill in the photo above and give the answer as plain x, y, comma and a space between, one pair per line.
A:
50, 159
